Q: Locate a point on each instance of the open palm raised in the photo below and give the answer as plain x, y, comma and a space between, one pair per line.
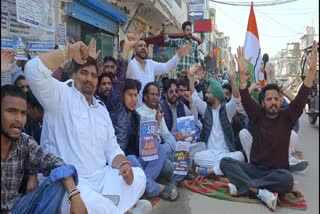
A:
243, 64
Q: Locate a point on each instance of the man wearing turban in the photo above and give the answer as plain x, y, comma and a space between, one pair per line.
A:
216, 130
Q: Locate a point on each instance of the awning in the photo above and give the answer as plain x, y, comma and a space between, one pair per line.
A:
106, 9
158, 40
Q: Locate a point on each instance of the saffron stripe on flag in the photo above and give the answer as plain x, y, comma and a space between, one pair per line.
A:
252, 48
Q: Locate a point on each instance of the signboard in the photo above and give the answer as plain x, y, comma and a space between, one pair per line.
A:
196, 9
204, 25
38, 14
36, 38
148, 145
62, 35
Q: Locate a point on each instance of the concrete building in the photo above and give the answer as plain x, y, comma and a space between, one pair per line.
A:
307, 38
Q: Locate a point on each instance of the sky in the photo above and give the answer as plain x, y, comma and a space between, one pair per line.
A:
277, 25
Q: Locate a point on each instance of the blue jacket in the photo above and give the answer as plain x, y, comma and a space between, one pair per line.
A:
168, 113
126, 124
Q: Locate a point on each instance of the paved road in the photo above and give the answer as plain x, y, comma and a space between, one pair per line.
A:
307, 183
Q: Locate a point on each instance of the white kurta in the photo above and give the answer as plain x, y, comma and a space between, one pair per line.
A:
216, 146
82, 136
151, 69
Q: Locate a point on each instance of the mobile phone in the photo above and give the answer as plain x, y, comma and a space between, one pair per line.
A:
114, 198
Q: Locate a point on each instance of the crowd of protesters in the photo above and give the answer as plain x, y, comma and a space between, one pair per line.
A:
70, 128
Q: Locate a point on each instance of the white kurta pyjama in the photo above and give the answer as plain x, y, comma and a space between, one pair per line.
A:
216, 146
83, 136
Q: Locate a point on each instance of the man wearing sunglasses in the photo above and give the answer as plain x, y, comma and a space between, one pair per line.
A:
173, 108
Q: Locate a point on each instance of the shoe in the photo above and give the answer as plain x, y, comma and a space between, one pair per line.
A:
232, 189
269, 198
202, 171
141, 207
297, 165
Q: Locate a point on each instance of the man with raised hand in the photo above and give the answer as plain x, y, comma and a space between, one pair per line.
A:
143, 69
193, 57
216, 125
267, 174
78, 128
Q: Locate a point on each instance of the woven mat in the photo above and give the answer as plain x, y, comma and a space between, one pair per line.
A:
219, 189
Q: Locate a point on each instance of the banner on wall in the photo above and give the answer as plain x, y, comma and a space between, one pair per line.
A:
37, 14
37, 38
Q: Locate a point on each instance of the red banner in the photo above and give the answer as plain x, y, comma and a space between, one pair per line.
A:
203, 25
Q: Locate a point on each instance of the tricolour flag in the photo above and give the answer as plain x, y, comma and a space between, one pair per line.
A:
252, 49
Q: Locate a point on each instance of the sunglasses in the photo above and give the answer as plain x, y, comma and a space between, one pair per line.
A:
171, 91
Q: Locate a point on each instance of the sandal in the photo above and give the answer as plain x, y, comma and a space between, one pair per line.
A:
168, 191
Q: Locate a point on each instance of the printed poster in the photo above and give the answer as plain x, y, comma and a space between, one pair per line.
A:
36, 13
37, 39
148, 145
186, 128
180, 161
19, 44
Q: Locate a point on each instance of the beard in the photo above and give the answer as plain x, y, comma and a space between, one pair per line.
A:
106, 93
227, 99
212, 101
88, 90
173, 100
273, 111
189, 36
142, 55
7, 135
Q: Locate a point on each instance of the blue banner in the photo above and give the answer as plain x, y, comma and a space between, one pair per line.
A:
41, 46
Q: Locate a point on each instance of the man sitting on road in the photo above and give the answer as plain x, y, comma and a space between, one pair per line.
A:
267, 174
216, 127
174, 109
18, 151
78, 128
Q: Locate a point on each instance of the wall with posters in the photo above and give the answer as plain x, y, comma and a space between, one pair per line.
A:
32, 22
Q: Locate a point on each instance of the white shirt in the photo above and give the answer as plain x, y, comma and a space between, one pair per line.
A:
151, 69
82, 135
216, 140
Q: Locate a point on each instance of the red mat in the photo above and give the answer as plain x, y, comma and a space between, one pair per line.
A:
219, 189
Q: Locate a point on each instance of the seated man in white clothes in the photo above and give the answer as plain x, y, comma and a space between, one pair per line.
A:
216, 126
77, 128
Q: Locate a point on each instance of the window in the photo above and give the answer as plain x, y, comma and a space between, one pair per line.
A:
104, 43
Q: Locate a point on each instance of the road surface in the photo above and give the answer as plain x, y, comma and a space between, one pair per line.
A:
307, 182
